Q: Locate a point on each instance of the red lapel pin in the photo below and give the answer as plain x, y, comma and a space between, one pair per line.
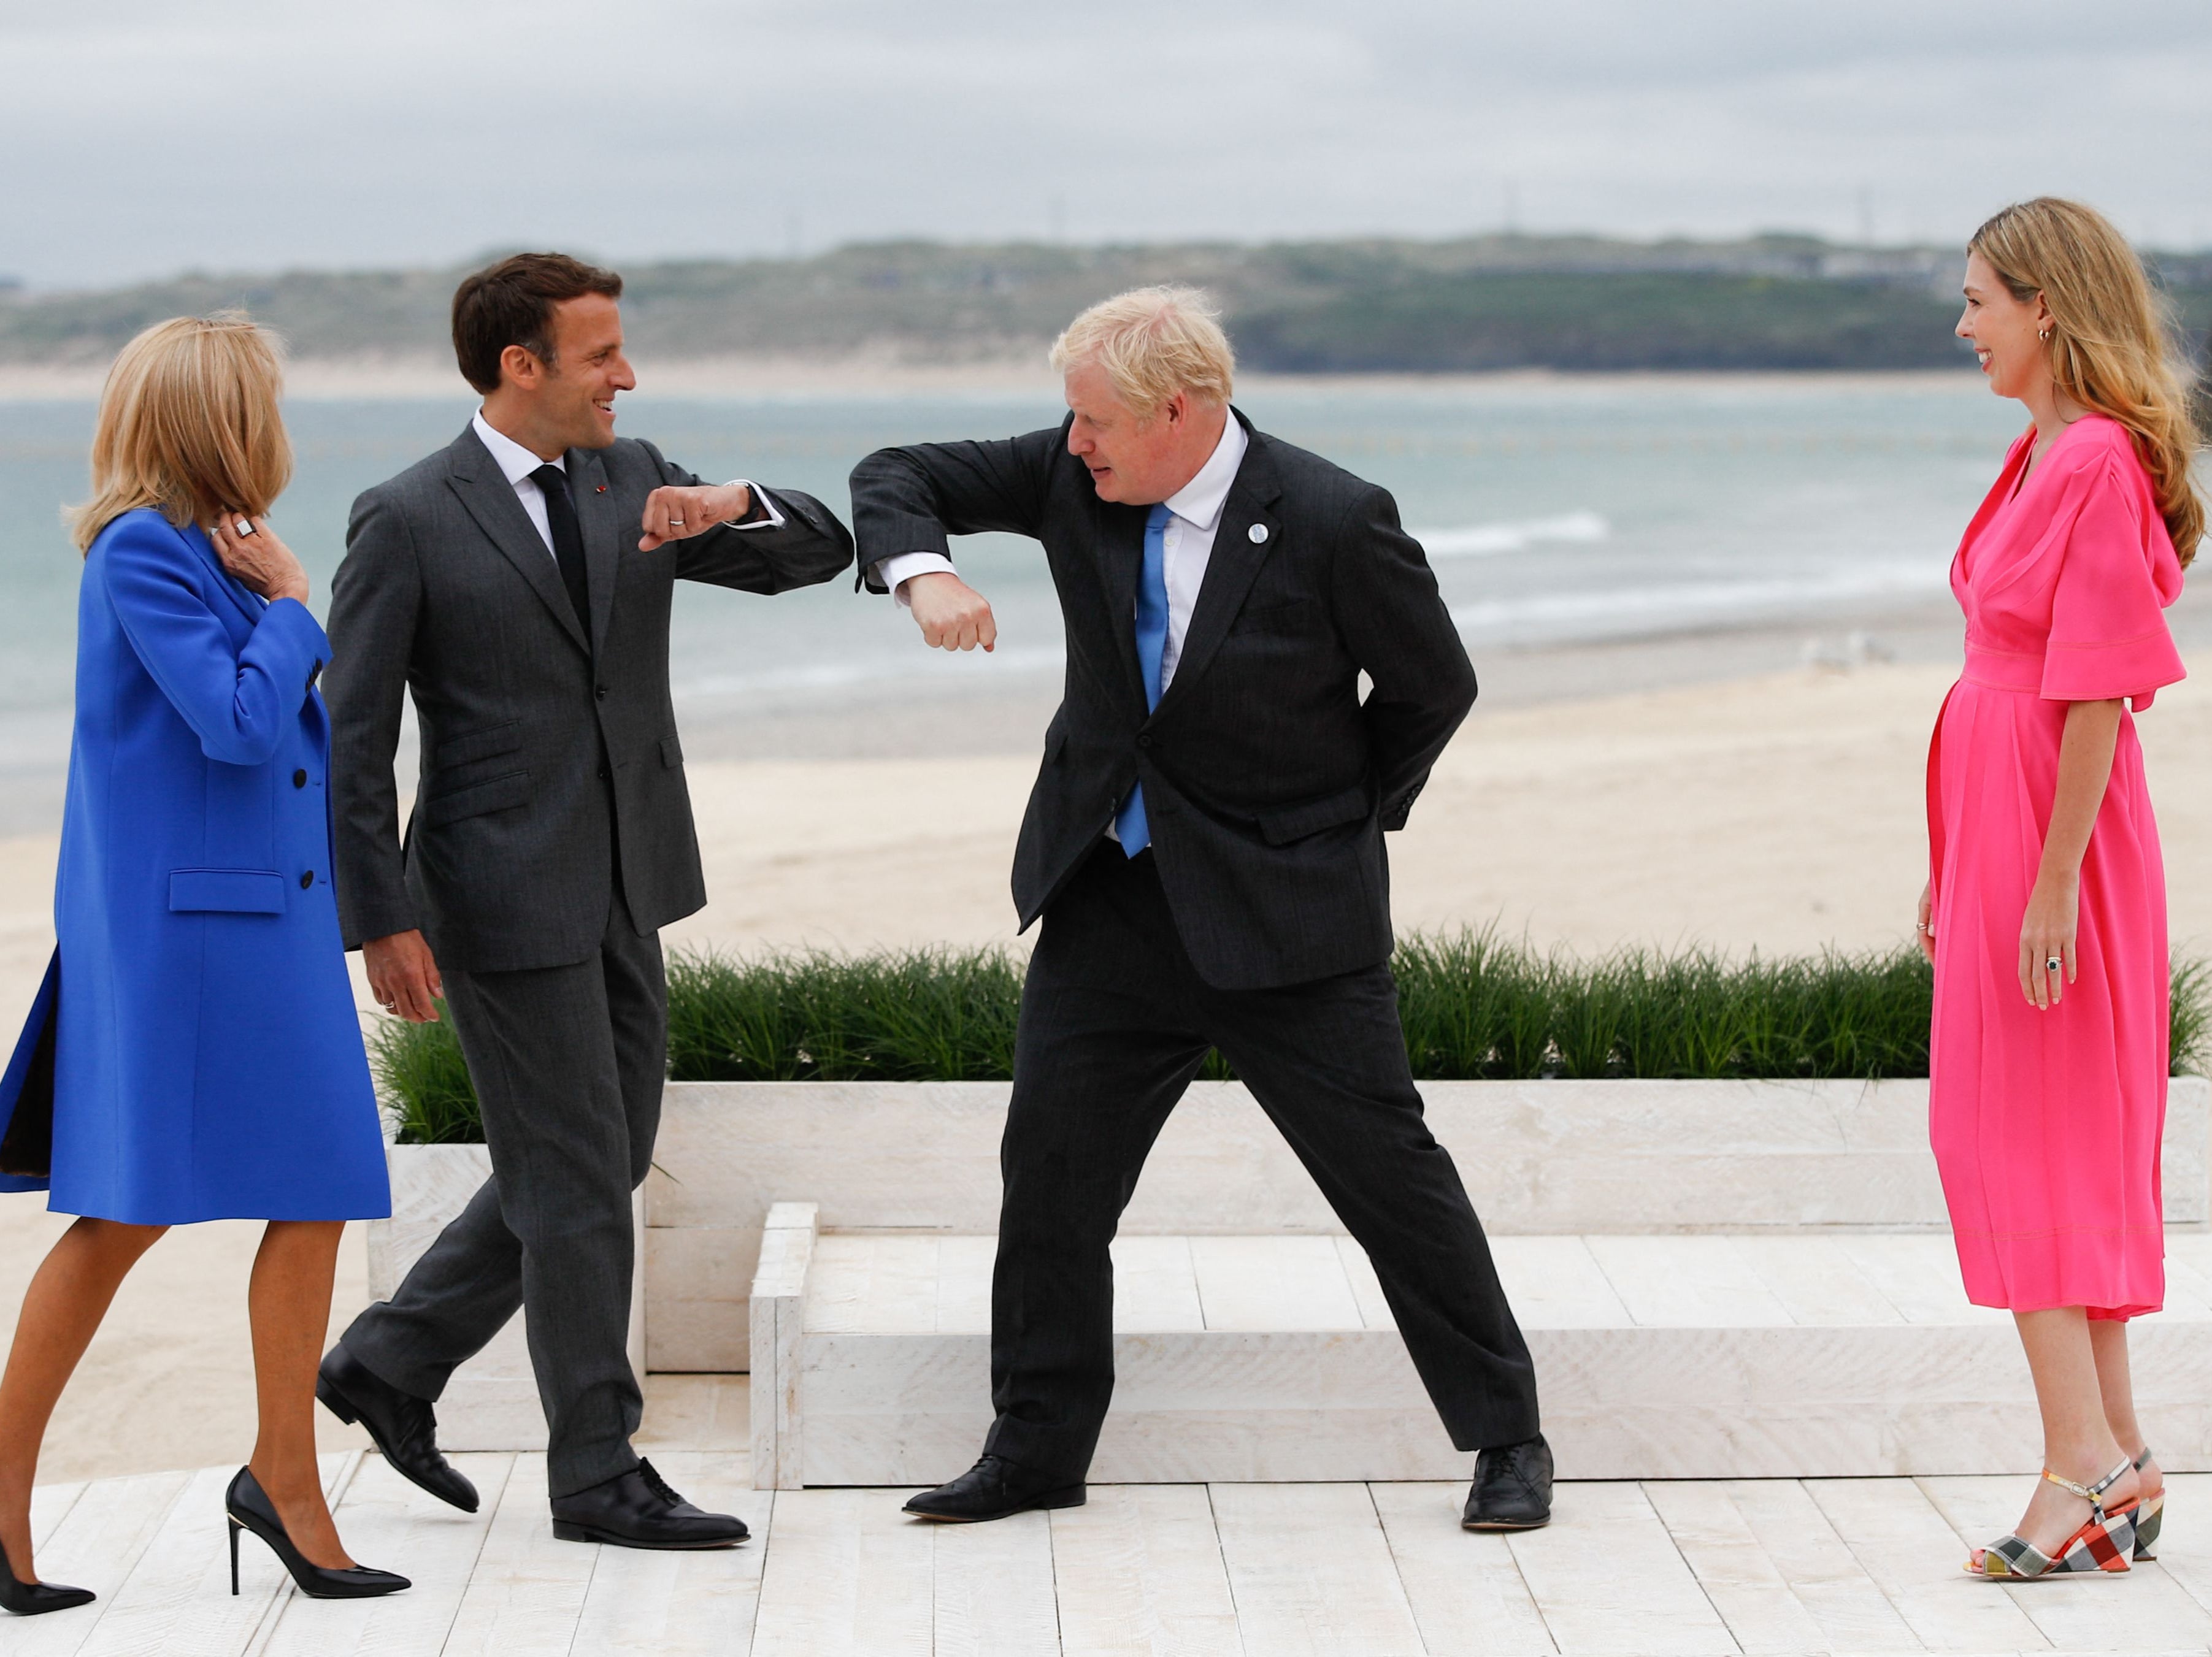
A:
602, 490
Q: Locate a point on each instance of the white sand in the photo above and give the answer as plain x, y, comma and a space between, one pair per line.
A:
1781, 814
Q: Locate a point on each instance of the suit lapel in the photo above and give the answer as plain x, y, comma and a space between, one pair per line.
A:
1121, 561
603, 530
248, 603
1233, 565
489, 498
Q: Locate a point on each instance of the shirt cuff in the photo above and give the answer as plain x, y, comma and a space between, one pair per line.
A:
897, 570
763, 514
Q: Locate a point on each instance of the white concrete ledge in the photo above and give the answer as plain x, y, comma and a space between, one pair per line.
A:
1539, 1157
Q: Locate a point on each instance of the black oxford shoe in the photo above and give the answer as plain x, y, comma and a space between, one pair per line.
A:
995, 1488
1512, 1488
405, 1427
636, 1510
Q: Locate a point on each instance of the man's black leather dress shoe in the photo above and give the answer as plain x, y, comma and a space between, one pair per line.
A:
405, 1427
1512, 1488
995, 1488
636, 1510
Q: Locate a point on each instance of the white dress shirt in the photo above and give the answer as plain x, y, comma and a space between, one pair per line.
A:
516, 463
1187, 544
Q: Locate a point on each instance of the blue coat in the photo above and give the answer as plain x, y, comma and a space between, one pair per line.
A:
207, 1061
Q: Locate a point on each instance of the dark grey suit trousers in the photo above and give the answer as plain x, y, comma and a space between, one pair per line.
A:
1116, 1022
568, 1062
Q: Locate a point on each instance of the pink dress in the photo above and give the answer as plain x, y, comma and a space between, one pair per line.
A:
2046, 1124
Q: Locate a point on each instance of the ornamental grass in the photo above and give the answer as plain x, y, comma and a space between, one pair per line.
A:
1474, 1007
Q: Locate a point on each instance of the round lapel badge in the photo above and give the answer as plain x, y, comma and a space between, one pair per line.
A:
1257, 533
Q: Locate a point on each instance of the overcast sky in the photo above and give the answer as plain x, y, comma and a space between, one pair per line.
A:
148, 136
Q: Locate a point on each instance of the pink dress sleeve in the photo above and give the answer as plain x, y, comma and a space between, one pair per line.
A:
2108, 632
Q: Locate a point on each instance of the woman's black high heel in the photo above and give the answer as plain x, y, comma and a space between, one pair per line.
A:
35, 1598
250, 1509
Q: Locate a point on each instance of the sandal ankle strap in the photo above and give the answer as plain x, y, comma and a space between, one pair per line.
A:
2140, 1460
2092, 1494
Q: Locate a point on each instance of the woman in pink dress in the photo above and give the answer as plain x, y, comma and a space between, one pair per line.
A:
2045, 913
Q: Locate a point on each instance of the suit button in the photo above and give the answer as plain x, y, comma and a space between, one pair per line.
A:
307, 880
1144, 742
603, 774
299, 780
601, 693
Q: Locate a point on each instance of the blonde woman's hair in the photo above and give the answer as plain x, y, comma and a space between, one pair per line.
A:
188, 425
2112, 346
1153, 343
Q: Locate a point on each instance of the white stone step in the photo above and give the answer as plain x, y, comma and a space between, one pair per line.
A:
1267, 1359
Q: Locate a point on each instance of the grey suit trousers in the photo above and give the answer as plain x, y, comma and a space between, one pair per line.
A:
568, 1062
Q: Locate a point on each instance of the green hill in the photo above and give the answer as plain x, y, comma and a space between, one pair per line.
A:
1491, 302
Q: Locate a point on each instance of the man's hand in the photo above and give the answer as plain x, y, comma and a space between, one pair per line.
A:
402, 976
951, 614
673, 513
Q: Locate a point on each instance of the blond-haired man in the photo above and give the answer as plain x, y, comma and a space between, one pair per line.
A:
1204, 846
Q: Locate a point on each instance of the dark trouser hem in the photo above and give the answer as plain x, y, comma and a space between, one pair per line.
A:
1114, 1023
582, 1468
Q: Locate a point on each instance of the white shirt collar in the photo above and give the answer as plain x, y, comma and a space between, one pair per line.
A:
1199, 502
515, 462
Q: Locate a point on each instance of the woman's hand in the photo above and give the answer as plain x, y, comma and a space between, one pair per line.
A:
2047, 935
1926, 923
252, 553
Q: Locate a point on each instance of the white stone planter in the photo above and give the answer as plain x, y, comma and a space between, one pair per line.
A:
1539, 1158
491, 1403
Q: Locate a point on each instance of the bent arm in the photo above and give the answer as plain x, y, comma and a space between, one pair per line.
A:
757, 554
1393, 620
236, 702
2085, 769
375, 599
914, 500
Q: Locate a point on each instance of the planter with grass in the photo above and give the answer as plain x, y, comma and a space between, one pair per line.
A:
1634, 1093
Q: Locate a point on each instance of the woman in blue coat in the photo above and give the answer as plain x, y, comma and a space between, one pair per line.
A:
194, 1054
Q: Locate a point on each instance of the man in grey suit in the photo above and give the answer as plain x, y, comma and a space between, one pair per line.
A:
519, 583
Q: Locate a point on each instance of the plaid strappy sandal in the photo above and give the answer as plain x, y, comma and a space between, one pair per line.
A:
2103, 1541
2150, 1515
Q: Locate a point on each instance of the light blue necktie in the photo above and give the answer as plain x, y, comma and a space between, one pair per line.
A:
1129, 824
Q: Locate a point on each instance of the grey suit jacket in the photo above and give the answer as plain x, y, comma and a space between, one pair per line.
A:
528, 727
1269, 779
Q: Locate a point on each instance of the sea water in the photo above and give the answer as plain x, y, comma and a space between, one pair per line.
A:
1553, 510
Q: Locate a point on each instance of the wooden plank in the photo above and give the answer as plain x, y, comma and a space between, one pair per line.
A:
1311, 1571
387, 1522
778, 1313
1155, 1286
178, 1598
1816, 1280
1786, 1524
1915, 1558
97, 1546
872, 1283
1556, 1283
1465, 1589
1138, 1573
1608, 1578
50, 1505
1686, 1283
992, 1595
1273, 1282
847, 1575
2159, 1612
1754, 1598
528, 1589
683, 1604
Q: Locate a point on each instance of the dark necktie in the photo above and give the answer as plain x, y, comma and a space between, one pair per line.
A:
568, 539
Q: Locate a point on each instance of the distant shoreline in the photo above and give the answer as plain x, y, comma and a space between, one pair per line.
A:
390, 379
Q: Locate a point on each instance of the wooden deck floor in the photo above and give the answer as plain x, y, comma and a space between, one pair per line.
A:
1267, 1571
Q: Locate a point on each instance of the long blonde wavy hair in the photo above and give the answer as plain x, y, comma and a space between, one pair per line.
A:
2112, 346
189, 425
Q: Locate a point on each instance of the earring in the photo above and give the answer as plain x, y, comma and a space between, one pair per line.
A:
2043, 333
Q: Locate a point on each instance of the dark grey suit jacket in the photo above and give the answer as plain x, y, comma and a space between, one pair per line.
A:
1268, 781
508, 861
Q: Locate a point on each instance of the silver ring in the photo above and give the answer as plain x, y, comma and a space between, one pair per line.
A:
2052, 963
676, 523
243, 526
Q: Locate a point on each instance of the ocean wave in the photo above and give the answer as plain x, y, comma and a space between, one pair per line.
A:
1564, 616
1483, 540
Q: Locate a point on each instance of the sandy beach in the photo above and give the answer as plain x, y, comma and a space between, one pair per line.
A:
1780, 813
